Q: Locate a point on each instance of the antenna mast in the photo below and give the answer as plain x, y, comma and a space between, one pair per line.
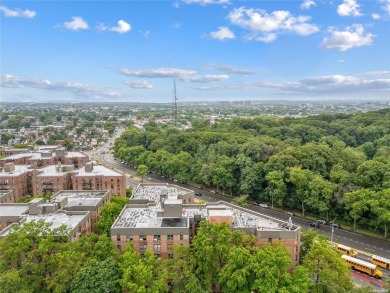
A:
174, 102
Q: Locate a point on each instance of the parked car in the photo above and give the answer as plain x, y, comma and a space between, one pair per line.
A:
213, 191
334, 225
198, 194
314, 224
263, 205
321, 222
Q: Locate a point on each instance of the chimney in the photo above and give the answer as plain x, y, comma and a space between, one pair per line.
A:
89, 167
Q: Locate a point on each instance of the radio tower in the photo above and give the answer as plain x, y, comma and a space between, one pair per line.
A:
174, 103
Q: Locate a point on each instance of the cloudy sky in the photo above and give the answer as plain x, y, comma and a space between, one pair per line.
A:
214, 49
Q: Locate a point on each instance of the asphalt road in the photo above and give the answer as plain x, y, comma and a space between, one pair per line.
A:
363, 243
358, 241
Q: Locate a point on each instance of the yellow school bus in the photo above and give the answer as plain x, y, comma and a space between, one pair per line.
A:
381, 261
362, 266
346, 250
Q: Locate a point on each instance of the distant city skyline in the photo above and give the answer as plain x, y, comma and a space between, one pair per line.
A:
216, 50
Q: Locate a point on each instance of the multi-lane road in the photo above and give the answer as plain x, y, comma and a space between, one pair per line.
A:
367, 244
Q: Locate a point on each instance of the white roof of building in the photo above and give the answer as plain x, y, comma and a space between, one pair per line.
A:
52, 171
12, 210
152, 192
98, 170
19, 169
74, 155
58, 219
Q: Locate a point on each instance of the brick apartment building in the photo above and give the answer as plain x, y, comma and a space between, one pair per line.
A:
25, 180
43, 158
78, 210
157, 218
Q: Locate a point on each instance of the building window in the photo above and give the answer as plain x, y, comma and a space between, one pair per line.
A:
269, 240
142, 237
118, 237
119, 246
156, 238
142, 247
170, 256
157, 247
169, 247
181, 237
129, 238
157, 256
170, 238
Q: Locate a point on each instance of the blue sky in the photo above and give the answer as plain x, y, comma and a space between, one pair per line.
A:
214, 49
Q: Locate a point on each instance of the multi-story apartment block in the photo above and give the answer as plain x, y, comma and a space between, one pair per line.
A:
98, 177
43, 158
25, 180
78, 222
163, 220
74, 204
89, 200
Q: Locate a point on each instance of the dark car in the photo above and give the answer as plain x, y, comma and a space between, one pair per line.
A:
198, 194
334, 225
314, 224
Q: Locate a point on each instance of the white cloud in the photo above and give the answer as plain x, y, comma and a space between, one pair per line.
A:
205, 78
17, 12
378, 73
139, 84
375, 16
230, 69
349, 8
264, 26
206, 2
341, 61
306, 4
77, 23
332, 84
176, 4
163, 72
11, 81
386, 6
223, 33
351, 37
122, 27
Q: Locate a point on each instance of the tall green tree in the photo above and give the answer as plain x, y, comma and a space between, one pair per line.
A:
329, 272
98, 276
141, 171
142, 274
358, 202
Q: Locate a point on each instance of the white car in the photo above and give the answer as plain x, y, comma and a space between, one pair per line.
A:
263, 205
213, 191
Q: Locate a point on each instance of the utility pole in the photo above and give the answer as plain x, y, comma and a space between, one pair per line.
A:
174, 103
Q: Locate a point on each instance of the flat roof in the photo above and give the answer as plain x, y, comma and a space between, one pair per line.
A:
51, 170
141, 216
152, 192
98, 170
74, 155
13, 210
79, 198
58, 219
19, 169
